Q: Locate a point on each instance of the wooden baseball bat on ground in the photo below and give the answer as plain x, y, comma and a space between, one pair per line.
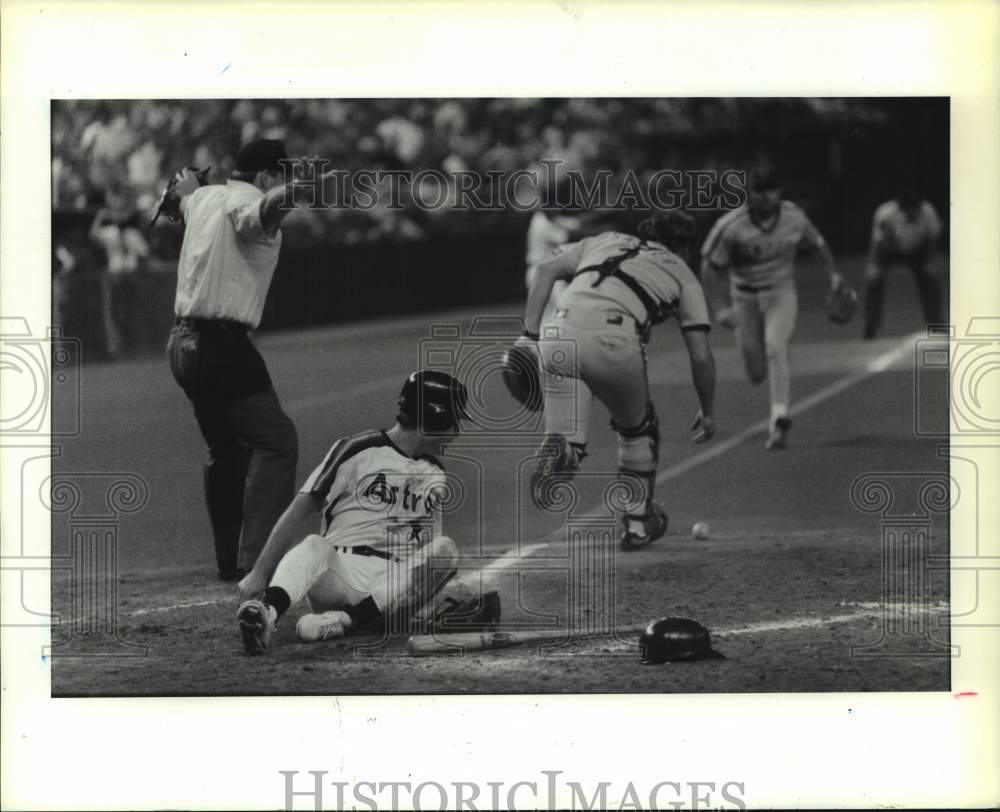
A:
461, 642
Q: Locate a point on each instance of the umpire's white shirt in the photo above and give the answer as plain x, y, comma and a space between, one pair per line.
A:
227, 258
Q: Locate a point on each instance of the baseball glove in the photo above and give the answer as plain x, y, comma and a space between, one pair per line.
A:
522, 375
841, 304
169, 204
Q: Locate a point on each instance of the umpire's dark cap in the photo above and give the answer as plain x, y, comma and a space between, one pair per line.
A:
261, 155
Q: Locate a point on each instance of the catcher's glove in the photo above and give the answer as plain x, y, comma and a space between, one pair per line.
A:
522, 375
841, 303
169, 204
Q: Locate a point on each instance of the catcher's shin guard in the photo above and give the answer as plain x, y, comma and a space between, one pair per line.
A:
557, 461
639, 446
638, 454
644, 521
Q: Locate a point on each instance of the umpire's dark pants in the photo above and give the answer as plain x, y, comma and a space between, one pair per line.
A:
252, 444
927, 286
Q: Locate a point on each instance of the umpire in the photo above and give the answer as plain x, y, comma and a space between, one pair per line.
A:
231, 243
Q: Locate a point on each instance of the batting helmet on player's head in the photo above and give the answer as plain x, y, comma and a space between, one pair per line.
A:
674, 229
432, 401
676, 639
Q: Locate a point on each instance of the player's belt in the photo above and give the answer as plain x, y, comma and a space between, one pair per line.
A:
216, 324
617, 319
364, 549
753, 288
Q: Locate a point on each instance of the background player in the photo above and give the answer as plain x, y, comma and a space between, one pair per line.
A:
755, 246
362, 539
619, 287
905, 231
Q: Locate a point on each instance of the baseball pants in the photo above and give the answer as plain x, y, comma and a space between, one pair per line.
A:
765, 321
252, 443
597, 353
331, 577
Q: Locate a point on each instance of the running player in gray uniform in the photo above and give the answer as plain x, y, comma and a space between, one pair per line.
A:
755, 246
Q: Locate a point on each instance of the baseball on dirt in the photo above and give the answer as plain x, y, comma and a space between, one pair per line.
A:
701, 531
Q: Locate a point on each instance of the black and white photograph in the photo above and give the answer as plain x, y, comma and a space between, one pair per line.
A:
499, 396
370, 407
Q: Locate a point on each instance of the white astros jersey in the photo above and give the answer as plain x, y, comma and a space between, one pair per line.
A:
663, 275
375, 495
756, 256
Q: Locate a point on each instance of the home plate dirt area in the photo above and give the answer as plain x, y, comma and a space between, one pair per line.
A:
803, 582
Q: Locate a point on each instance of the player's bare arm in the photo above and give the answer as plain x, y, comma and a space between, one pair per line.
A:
703, 375
548, 273
299, 520
829, 265
715, 281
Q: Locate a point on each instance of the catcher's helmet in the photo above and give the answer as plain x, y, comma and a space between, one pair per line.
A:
675, 639
432, 401
522, 376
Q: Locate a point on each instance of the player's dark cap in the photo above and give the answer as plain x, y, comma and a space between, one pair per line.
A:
674, 229
432, 401
261, 155
764, 179
676, 639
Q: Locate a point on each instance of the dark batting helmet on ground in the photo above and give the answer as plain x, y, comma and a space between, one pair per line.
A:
432, 401
522, 376
676, 639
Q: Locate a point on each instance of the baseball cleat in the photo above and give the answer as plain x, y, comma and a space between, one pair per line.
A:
642, 530
778, 435
257, 621
557, 461
323, 626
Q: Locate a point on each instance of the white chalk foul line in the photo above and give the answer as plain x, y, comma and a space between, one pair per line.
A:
868, 611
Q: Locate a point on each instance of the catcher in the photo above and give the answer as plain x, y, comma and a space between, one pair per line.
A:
755, 246
620, 286
362, 542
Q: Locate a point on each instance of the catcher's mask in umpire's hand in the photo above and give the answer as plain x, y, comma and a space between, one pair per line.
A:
676, 639
432, 401
522, 376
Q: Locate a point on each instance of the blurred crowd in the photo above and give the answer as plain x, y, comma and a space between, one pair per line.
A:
125, 151
112, 158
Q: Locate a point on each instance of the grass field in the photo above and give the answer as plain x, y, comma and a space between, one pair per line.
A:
790, 580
